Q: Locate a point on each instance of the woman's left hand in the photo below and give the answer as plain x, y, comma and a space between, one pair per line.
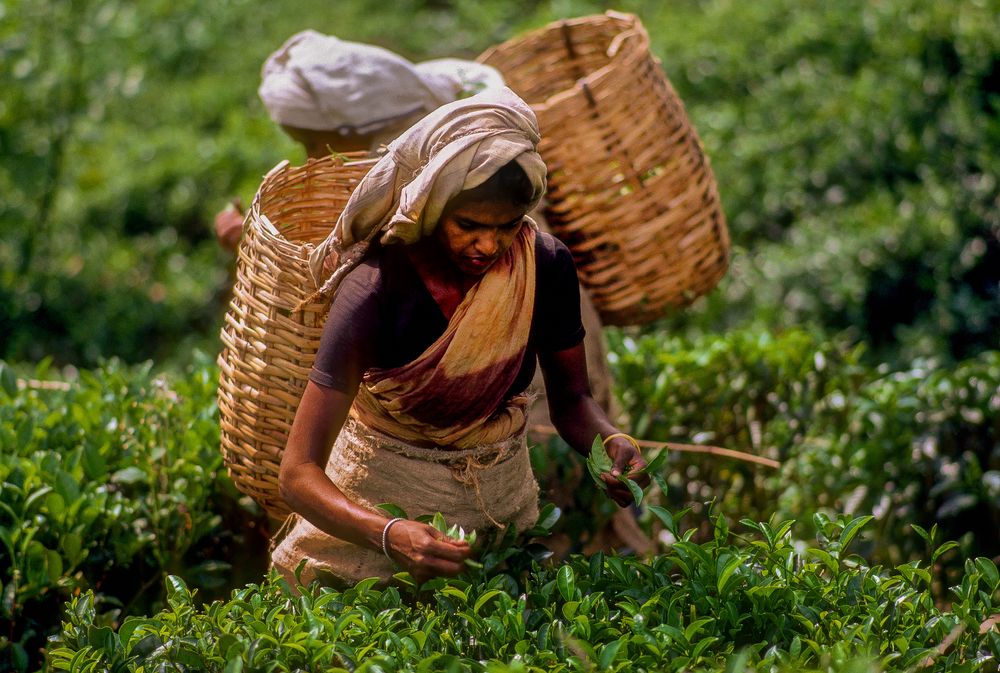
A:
626, 460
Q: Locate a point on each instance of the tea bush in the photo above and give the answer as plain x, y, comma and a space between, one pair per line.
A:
747, 390
919, 446
747, 601
107, 485
910, 275
98, 300
117, 479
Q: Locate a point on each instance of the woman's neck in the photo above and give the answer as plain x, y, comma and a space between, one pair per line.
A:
445, 282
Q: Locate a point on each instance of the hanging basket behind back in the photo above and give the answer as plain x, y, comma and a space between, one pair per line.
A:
631, 191
268, 348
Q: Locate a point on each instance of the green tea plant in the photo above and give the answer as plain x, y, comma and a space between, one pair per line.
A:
107, 484
739, 601
919, 446
748, 390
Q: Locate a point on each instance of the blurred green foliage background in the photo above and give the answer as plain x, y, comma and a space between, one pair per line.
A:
855, 145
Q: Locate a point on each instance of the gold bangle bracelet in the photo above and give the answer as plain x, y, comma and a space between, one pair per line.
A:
630, 438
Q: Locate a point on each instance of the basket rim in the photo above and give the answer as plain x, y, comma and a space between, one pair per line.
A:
255, 216
632, 28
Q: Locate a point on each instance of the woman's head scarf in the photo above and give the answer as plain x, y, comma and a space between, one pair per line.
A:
322, 83
455, 148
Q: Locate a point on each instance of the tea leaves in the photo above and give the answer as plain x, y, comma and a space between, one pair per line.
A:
713, 606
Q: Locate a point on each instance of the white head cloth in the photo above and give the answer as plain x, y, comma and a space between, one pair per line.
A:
322, 83
457, 147
459, 78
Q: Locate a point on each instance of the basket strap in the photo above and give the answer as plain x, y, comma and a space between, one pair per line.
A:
348, 259
567, 39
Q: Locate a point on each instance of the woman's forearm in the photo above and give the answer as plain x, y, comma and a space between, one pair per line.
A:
577, 416
417, 547
579, 419
308, 491
302, 480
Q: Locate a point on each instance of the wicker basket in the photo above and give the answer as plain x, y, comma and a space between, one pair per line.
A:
268, 349
630, 189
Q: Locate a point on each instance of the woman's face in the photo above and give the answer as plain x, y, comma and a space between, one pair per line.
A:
475, 233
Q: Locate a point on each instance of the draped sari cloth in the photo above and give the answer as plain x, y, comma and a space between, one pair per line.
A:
453, 393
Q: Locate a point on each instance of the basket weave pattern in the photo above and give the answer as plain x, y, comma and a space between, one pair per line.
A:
630, 189
268, 349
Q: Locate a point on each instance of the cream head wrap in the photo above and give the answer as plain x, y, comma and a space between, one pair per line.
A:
457, 147
322, 83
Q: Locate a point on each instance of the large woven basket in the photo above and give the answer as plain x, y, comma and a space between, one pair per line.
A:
268, 348
630, 189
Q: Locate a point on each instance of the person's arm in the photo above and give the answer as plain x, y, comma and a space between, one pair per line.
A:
229, 225
420, 549
579, 419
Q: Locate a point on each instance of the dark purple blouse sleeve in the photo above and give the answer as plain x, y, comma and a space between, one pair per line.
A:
560, 324
347, 348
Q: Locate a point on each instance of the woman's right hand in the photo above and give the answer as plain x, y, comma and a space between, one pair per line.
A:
425, 552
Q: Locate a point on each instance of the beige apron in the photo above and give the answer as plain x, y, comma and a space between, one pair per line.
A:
371, 468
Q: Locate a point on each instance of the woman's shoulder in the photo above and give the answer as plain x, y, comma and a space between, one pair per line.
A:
552, 253
380, 265
549, 247
364, 284
363, 278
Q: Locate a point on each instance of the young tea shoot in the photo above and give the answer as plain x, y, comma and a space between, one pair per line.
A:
599, 462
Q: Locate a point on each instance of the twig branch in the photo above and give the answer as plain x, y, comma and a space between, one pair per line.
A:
33, 384
689, 448
943, 647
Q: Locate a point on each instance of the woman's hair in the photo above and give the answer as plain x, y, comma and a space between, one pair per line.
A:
510, 183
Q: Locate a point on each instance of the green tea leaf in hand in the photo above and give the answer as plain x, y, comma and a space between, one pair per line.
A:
634, 488
599, 462
653, 466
